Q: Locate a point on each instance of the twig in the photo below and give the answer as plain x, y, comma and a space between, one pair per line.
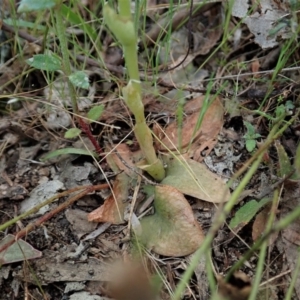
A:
52, 213
86, 129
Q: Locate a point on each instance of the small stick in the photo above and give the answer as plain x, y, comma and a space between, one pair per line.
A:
52, 213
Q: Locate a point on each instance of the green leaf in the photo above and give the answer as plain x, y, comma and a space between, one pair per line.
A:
66, 151
276, 29
25, 24
250, 145
33, 5
280, 111
18, 251
250, 129
95, 113
71, 133
244, 215
80, 79
285, 166
289, 105
45, 62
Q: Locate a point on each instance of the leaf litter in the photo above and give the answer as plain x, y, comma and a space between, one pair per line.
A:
177, 222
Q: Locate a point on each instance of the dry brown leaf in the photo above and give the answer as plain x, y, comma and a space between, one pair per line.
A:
112, 210
206, 134
259, 225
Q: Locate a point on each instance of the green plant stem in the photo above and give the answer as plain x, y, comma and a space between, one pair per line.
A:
124, 8
123, 28
66, 66
263, 250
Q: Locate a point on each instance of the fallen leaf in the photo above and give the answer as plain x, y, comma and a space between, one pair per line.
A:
261, 23
112, 211
18, 251
203, 136
39, 194
78, 220
259, 225
194, 179
55, 267
173, 229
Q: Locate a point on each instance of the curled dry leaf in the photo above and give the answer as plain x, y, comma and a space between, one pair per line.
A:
203, 137
194, 179
172, 230
112, 210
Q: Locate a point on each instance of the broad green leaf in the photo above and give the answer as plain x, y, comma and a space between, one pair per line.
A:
32, 5
45, 62
250, 145
18, 251
80, 79
244, 215
285, 166
95, 113
194, 179
173, 229
71, 133
66, 151
250, 129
